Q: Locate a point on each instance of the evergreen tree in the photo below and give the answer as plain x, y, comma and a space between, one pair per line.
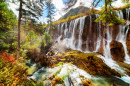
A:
50, 12
7, 24
34, 8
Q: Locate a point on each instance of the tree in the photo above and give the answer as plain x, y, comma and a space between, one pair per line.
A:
108, 15
7, 17
33, 8
50, 12
7, 24
126, 1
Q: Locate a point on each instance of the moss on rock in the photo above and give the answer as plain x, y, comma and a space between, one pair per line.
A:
86, 61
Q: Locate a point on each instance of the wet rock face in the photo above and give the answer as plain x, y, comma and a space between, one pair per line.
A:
117, 51
128, 41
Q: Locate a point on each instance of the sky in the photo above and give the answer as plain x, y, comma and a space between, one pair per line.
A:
59, 5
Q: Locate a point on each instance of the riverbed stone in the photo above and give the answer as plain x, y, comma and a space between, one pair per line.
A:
89, 62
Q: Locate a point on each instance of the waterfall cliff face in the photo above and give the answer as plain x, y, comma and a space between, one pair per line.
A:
88, 36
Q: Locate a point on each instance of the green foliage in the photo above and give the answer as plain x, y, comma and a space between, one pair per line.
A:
7, 17
42, 46
14, 73
30, 71
76, 11
3, 44
1, 64
111, 17
32, 38
37, 28
8, 40
7, 24
32, 52
68, 18
63, 77
125, 1
45, 42
50, 12
47, 38
60, 63
57, 72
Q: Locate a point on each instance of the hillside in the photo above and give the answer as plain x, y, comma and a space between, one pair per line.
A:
74, 12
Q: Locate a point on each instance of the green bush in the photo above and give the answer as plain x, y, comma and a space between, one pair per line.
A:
32, 52
14, 72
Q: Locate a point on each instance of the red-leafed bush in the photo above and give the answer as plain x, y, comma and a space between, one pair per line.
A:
8, 58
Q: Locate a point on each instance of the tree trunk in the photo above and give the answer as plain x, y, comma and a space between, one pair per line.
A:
19, 22
106, 9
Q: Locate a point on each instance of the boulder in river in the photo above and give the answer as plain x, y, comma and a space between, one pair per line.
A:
117, 51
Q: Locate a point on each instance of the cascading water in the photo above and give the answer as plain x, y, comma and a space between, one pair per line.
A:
106, 46
68, 35
69, 31
123, 31
70, 41
127, 57
99, 36
88, 37
82, 20
121, 37
58, 29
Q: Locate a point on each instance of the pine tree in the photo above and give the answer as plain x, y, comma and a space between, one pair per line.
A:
34, 8
50, 12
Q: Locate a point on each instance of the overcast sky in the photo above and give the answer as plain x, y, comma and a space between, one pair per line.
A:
59, 4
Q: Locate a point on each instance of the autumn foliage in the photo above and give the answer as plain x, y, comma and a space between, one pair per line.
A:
8, 58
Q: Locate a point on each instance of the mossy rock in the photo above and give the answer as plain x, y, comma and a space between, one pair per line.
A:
125, 66
86, 61
30, 71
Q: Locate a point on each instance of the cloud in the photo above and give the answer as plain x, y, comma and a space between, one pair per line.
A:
60, 6
87, 3
118, 3
13, 7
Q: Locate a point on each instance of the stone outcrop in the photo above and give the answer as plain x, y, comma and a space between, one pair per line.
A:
117, 51
128, 41
88, 62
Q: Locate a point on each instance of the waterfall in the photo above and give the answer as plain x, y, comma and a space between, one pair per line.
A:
58, 30
127, 57
72, 41
106, 46
99, 36
88, 37
66, 30
69, 33
72, 34
62, 28
122, 35
82, 21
